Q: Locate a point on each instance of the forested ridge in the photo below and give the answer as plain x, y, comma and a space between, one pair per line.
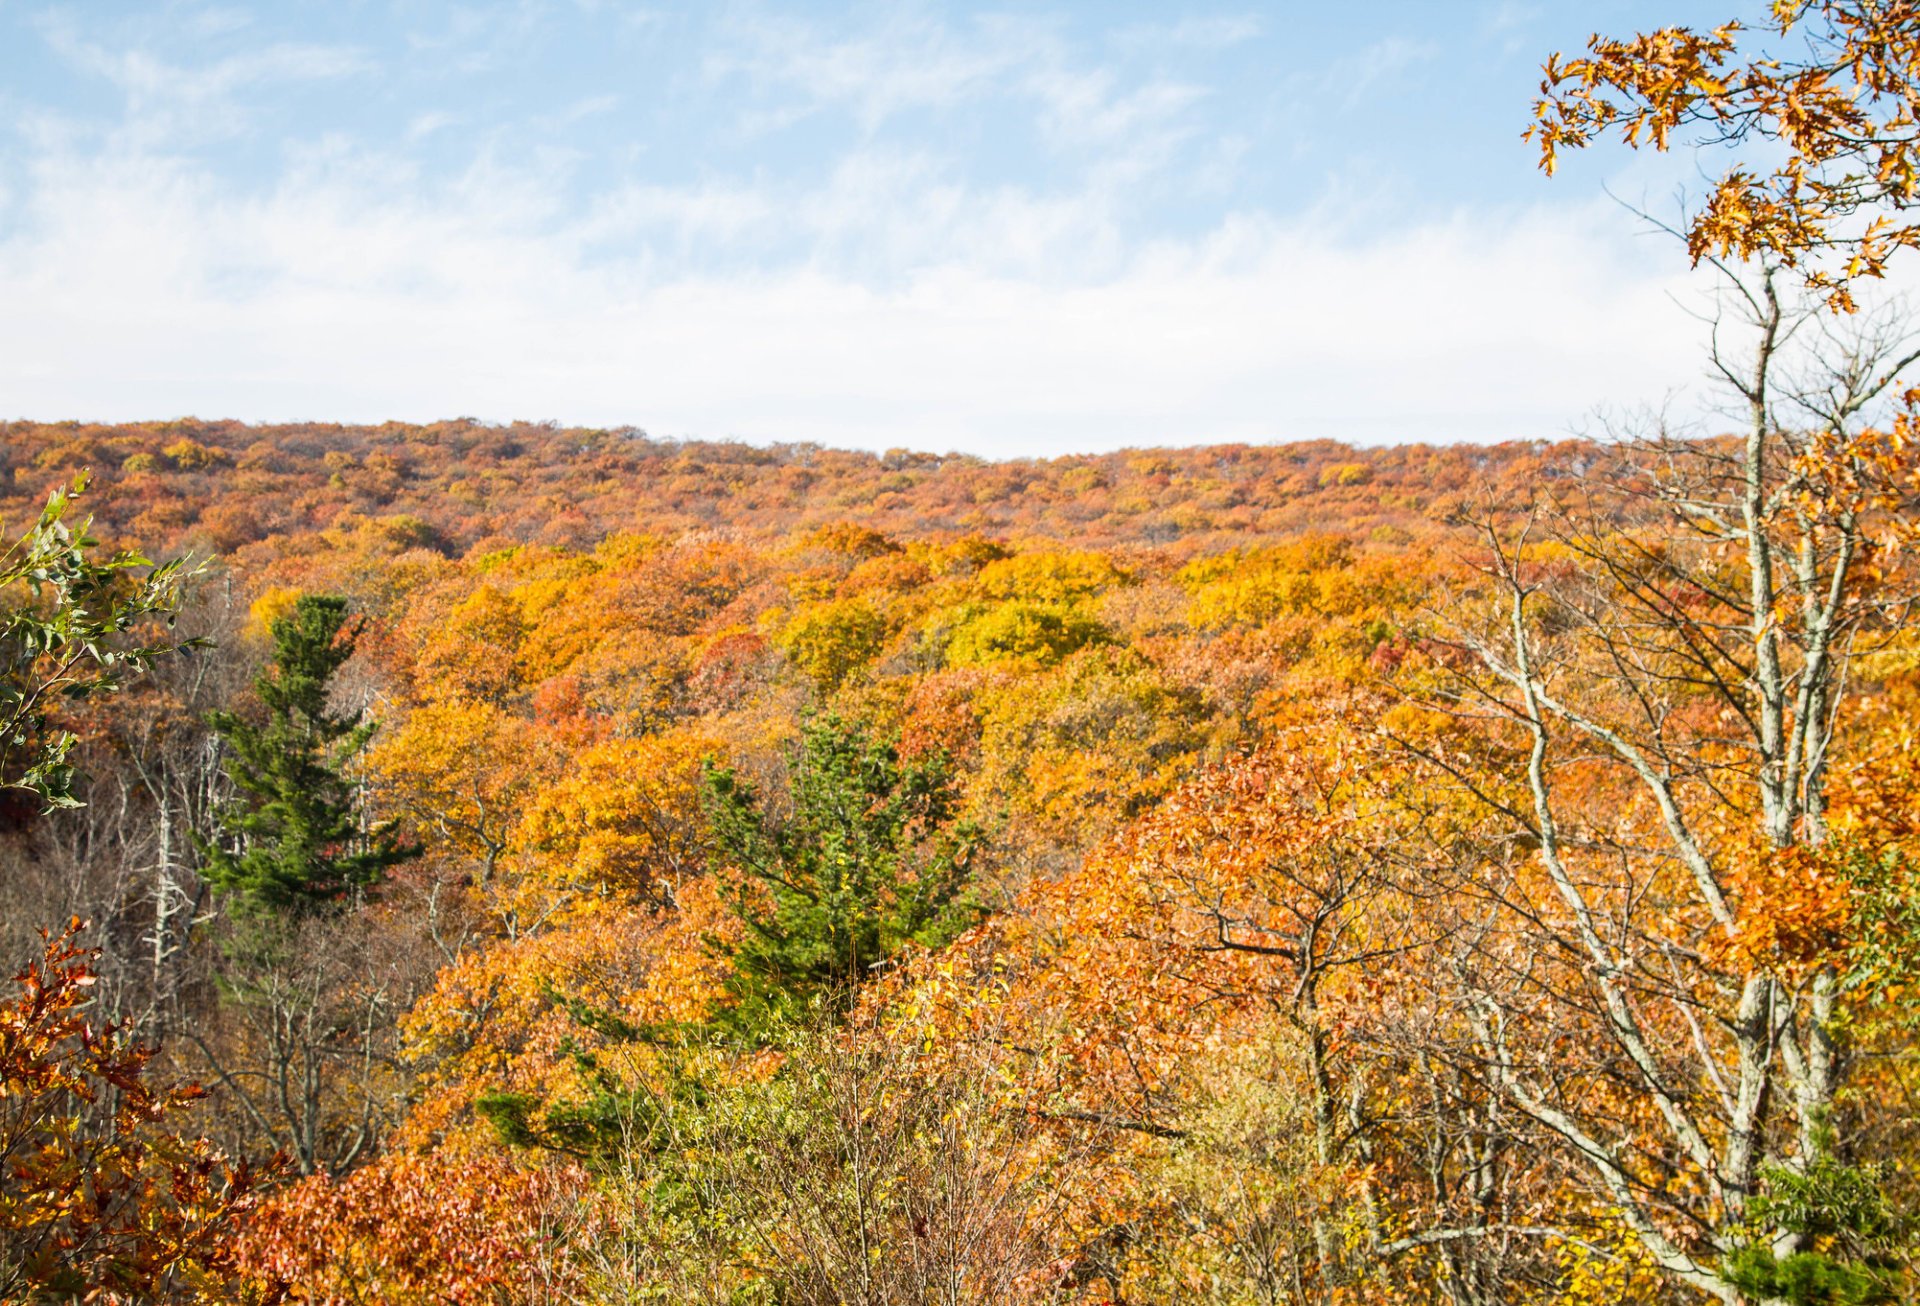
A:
224, 486
471, 863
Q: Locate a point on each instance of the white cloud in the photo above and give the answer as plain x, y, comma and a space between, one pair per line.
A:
886, 293
1194, 32
905, 63
1128, 125
423, 125
170, 103
1351, 79
352, 292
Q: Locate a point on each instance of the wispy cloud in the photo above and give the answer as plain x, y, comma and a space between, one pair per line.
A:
1193, 32
909, 62
423, 125
480, 37
1116, 127
169, 102
1350, 79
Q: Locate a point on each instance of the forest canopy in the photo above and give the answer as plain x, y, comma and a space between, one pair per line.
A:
525, 864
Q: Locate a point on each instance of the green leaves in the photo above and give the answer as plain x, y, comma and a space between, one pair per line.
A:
73, 625
1840, 1211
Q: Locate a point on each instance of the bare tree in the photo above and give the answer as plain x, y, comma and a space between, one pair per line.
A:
300, 1046
862, 1173
1651, 679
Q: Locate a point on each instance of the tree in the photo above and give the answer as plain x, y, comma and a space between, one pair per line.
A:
1673, 662
99, 1198
870, 856
1825, 124
1654, 681
70, 628
416, 1231
297, 840
858, 1175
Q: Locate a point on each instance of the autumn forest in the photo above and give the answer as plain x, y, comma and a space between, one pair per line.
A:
511, 863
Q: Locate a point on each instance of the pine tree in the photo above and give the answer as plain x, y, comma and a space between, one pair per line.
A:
872, 856
293, 840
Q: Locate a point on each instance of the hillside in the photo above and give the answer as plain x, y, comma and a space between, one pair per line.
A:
224, 486
539, 840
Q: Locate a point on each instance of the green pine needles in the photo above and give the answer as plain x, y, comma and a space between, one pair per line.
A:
294, 840
868, 855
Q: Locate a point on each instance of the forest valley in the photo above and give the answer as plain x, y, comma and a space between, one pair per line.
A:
523, 864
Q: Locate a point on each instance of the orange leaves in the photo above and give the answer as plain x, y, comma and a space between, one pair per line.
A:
417, 1230
98, 1198
1870, 476
473, 650
940, 716
624, 820
1841, 120
1241, 885
466, 770
1796, 906
851, 540
498, 1014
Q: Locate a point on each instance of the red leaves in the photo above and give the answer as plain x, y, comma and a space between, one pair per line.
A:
98, 1198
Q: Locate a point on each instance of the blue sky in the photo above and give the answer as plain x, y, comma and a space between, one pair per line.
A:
1010, 230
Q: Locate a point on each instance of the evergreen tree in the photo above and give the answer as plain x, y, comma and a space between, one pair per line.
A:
870, 856
293, 840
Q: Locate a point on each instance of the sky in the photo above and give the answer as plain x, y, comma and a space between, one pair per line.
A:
1010, 230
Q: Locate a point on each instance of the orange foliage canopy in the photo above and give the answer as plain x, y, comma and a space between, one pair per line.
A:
416, 1230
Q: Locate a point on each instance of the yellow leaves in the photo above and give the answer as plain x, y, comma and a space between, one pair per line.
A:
1606, 1266
189, 455
624, 548
1320, 604
474, 650
623, 822
851, 540
831, 639
1017, 631
1044, 577
274, 602
497, 1017
965, 556
1085, 743
1344, 474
